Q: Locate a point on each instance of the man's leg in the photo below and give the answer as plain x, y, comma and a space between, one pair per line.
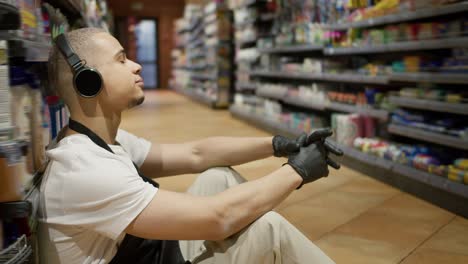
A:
271, 239
210, 182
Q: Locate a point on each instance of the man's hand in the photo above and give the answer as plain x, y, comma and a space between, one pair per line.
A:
311, 162
283, 147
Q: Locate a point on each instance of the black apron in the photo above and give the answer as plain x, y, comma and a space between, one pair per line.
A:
136, 250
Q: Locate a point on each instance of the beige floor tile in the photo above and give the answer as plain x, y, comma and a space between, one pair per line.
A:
430, 256
404, 222
319, 215
452, 238
345, 249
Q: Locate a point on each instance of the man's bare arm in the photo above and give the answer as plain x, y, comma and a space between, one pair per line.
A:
177, 216
197, 156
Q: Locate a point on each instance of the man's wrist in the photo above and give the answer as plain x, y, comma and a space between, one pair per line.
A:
298, 180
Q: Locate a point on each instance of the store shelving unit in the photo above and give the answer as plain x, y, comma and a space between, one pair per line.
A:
340, 107
209, 56
441, 191
332, 77
432, 105
270, 94
245, 86
430, 77
450, 195
293, 49
420, 134
404, 16
28, 48
429, 44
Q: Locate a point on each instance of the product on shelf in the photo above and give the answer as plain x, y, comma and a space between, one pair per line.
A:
436, 94
5, 94
417, 156
11, 187
438, 123
348, 127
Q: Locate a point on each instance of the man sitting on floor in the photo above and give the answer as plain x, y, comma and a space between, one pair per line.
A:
96, 205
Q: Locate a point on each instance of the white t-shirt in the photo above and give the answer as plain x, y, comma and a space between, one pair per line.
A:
89, 196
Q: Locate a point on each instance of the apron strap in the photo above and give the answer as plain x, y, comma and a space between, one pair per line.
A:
82, 129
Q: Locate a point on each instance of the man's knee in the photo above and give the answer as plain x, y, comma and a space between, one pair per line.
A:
215, 174
221, 175
271, 220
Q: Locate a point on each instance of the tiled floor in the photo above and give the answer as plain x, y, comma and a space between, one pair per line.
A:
352, 217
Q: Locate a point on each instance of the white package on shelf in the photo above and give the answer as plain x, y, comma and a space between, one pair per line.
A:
5, 96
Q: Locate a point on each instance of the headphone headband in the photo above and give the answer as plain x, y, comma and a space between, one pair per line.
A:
64, 46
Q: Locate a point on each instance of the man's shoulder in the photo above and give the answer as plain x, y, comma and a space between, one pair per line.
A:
78, 153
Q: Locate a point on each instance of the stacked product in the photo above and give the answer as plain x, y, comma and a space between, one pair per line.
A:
452, 28
253, 21
202, 58
5, 94
451, 125
348, 127
219, 53
421, 157
180, 74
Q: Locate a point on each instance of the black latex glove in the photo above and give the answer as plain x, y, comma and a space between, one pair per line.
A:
283, 147
310, 162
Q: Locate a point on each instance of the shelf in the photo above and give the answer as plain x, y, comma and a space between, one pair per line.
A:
377, 113
342, 77
268, 17
17, 253
196, 96
262, 92
298, 101
246, 3
424, 135
195, 44
11, 210
432, 105
404, 16
196, 55
205, 77
28, 49
259, 121
301, 102
401, 46
249, 21
246, 86
10, 18
194, 25
441, 191
246, 42
68, 7
417, 77
292, 49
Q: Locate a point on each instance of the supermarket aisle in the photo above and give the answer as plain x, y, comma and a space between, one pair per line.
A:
352, 217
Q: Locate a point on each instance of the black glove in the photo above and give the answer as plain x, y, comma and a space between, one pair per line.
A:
283, 147
310, 163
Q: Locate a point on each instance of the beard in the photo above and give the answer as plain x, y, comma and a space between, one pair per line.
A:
137, 101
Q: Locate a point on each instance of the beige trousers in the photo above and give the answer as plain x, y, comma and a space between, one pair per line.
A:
271, 239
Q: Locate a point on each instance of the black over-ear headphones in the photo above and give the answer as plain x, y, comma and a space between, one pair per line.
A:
87, 81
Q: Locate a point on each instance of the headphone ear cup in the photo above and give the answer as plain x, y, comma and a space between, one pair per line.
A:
88, 82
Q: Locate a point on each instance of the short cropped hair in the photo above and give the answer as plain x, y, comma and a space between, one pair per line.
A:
59, 71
